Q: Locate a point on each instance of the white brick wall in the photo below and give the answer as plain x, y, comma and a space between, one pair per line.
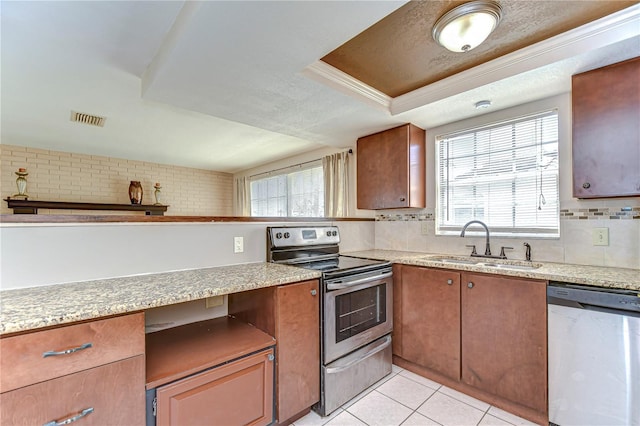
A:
63, 176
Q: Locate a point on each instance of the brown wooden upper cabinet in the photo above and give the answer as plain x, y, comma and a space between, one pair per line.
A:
606, 131
391, 169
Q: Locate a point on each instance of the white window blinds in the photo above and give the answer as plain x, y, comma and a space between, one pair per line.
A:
297, 193
505, 175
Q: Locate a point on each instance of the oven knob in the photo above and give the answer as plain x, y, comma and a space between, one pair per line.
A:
279, 235
334, 233
328, 233
287, 235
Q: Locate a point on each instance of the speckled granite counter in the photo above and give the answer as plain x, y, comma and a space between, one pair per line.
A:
36, 307
599, 276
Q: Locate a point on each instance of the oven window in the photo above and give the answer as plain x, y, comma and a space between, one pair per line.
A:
360, 310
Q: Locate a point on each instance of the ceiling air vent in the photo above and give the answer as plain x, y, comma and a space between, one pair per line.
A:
92, 120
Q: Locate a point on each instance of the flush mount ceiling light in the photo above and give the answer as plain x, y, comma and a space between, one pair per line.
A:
483, 104
466, 26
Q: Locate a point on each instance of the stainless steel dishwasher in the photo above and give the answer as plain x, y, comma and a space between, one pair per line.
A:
594, 355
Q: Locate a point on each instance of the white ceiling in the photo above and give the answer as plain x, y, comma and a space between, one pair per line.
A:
225, 85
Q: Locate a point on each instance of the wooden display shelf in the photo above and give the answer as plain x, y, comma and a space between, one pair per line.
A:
31, 207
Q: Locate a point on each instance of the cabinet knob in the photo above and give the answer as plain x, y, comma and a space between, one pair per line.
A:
402, 198
314, 292
449, 281
586, 185
470, 285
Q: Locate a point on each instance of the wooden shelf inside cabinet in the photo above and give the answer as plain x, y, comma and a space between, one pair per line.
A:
181, 351
31, 207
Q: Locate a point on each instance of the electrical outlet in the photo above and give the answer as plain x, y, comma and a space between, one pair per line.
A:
212, 302
600, 236
424, 227
238, 244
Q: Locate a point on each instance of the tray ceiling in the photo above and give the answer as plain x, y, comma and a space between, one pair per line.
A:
398, 54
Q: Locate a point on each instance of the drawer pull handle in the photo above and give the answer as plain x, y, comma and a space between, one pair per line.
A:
68, 351
78, 416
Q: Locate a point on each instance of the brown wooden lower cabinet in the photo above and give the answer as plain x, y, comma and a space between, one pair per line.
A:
213, 372
112, 394
504, 338
431, 319
238, 393
290, 313
482, 334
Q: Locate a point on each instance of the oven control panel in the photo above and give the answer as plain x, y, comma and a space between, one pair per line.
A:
299, 236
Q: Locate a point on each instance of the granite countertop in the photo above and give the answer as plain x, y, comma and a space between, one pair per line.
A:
36, 307
599, 276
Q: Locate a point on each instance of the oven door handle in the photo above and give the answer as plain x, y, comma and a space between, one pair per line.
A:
379, 347
347, 284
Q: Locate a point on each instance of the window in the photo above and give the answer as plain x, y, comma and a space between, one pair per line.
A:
505, 175
294, 193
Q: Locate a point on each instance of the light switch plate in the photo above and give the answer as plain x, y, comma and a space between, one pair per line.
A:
600, 236
424, 227
238, 244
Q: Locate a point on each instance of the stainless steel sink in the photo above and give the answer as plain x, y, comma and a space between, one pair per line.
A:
489, 263
454, 260
513, 267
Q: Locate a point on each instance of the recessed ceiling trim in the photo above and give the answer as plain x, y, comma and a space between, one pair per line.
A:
611, 29
324, 73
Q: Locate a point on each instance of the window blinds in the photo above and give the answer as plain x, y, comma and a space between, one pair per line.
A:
505, 175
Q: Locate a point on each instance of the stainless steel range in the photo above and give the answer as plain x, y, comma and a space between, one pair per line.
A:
356, 310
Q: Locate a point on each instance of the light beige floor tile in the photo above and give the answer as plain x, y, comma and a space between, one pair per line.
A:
376, 409
422, 380
449, 411
489, 420
417, 419
357, 398
511, 418
346, 419
480, 405
396, 369
314, 419
406, 391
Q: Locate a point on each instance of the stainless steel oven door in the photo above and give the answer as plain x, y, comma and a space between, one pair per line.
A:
358, 309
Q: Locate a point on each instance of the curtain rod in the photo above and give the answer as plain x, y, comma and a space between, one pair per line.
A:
349, 151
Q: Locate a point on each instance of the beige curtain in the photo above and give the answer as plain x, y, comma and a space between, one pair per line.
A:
336, 184
243, 197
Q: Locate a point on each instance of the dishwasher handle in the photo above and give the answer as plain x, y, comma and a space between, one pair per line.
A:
590, 307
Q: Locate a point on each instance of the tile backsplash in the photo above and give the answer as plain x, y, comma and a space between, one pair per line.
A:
415, 231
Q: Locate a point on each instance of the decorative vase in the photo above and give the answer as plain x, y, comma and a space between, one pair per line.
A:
156, 194
21, 183
135, 192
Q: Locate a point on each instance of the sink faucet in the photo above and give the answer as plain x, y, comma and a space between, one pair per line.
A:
487, 250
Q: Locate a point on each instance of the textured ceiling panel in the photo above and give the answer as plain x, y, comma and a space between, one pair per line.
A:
398, 54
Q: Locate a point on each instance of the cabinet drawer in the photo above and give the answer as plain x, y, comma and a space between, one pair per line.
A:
23, 361
238, 393
114, 391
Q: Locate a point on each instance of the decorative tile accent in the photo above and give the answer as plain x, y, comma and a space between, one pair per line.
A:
615, 213
623, 213
426, 215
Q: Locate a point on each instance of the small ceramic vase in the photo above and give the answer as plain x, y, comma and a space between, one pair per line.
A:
135, 192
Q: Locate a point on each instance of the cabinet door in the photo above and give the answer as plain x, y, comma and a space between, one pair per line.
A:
431, 319
112, 394
238, 393
390, 169
606, 131
298, 347
504, 338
